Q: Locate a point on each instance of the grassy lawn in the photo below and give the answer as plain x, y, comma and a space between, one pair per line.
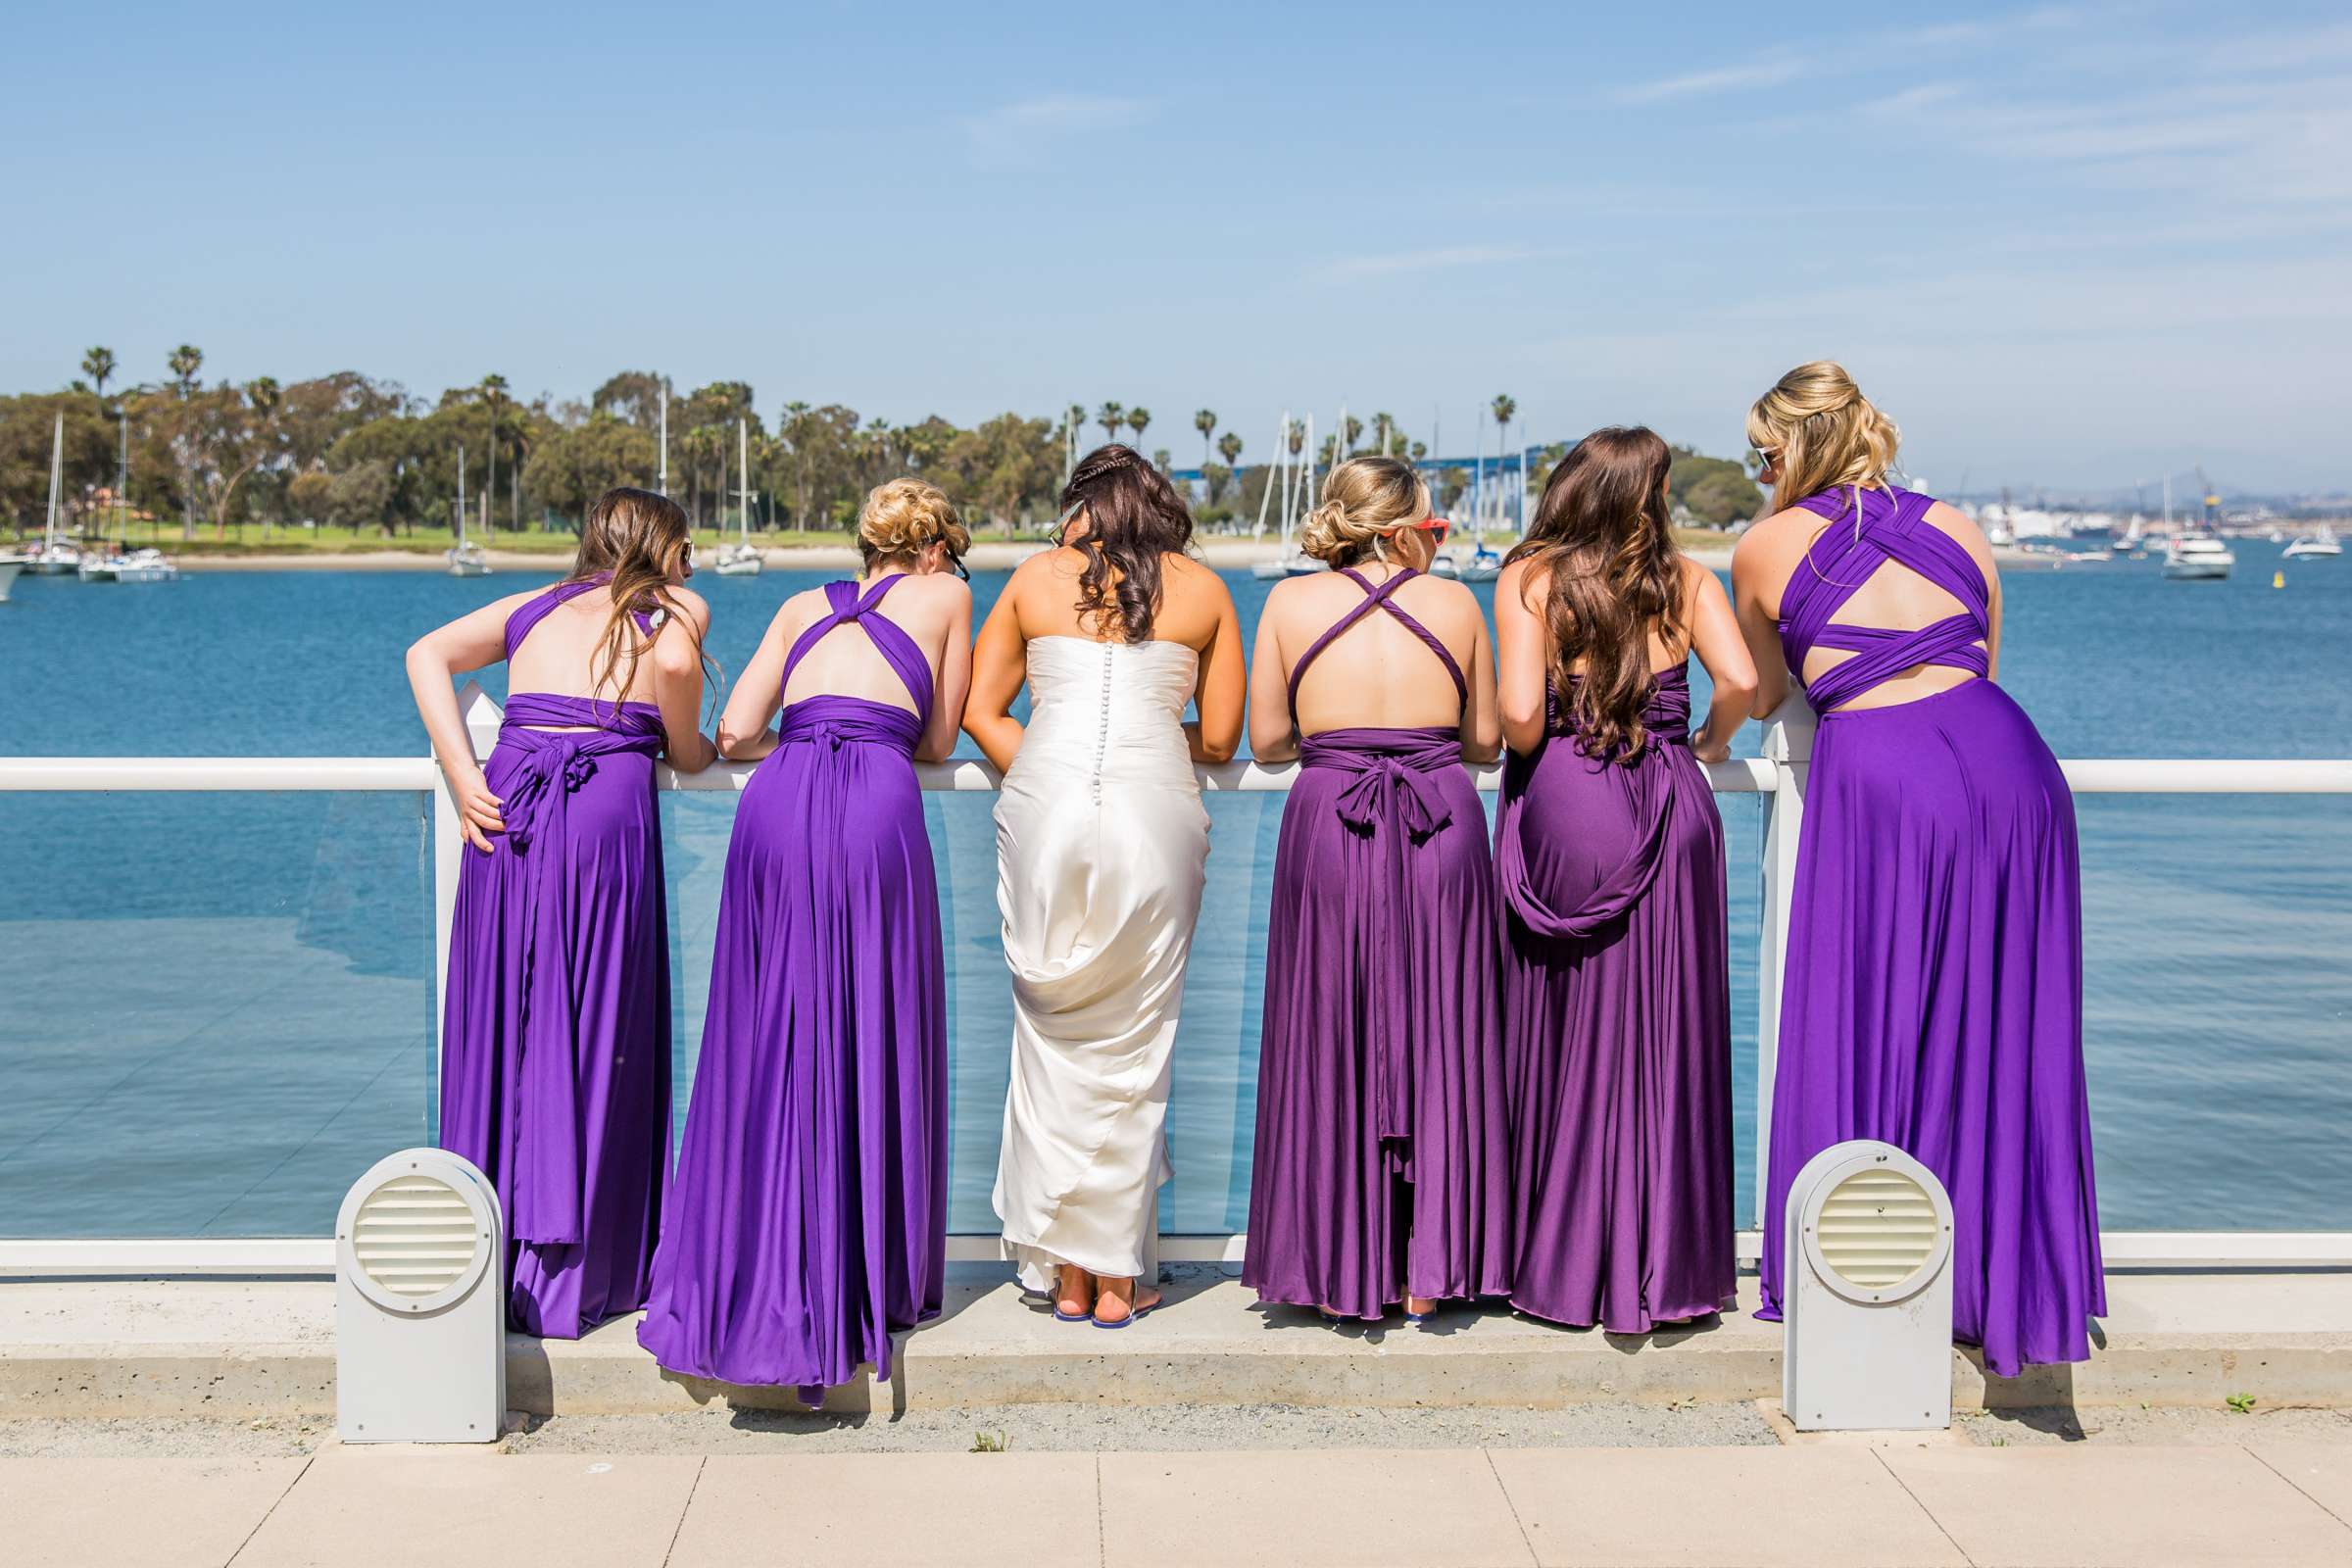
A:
253, 539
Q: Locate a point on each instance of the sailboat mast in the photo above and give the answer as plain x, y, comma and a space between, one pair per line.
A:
57, 473
743, 472
460, 498
123, 478
1267, 494
663, 483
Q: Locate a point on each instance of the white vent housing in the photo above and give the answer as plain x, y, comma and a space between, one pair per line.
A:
1867, 1294
420, 1303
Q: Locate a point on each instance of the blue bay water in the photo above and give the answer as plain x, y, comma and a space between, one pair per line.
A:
220, 1006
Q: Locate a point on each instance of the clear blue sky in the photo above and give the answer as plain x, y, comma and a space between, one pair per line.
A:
2072, 246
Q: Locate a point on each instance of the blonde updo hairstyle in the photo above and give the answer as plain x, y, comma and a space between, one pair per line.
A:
1365, 500
902, 517
1824, 433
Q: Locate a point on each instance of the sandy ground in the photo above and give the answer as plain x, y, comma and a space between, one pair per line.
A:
1050, 1429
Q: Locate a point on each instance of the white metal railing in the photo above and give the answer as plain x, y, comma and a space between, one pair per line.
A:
1780, 774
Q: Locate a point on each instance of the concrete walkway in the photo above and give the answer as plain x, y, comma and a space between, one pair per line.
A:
1816, 1506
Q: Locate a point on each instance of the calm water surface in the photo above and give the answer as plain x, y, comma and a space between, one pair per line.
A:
221, 1004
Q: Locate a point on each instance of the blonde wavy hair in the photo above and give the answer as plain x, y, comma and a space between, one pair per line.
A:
1365, 500
901, 518
1823, 433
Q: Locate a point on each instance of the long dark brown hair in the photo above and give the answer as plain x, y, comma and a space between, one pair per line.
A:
1133, 518
639, 540
1603, 540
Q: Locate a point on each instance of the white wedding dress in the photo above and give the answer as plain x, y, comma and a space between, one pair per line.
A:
1102, 845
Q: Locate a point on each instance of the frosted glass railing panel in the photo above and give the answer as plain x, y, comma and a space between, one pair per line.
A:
218, 1008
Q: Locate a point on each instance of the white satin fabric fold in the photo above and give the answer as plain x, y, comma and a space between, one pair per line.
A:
1102, 845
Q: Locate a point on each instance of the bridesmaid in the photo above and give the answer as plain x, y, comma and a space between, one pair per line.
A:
809, 1219
555, 1034
1382, 1171
1933, 995
1610, 857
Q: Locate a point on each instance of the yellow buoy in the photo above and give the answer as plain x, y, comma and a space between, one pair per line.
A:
2277, 579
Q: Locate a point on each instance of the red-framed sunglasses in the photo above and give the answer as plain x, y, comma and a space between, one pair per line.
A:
1436, 527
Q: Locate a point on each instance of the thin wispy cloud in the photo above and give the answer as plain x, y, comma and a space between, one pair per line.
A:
1926, 95
1391, 263
1026, 133
1770, 73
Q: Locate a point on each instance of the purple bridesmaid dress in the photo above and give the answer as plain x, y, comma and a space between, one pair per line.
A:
554, 1036
1933, 995
1617, 1015
807, 1221
1381, 1168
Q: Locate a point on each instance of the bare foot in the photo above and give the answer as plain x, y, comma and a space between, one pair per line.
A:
1072, 1290
1420, 1306
1120, 1300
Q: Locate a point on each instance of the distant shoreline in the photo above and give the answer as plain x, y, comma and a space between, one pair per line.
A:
987, 554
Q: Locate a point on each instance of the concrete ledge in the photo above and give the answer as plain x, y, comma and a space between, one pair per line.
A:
236, 1348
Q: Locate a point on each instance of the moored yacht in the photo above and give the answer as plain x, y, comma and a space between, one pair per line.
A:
2197, 556
10, 565
2318, 545
145, 564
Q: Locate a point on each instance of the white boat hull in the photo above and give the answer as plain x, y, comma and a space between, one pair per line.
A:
2197, 570
8, 576
2310, 550
1269, 571
749, 566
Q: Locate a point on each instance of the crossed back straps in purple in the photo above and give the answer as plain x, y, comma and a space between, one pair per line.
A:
1891, 527
1381, 597
636, 721
833, 718
532, 613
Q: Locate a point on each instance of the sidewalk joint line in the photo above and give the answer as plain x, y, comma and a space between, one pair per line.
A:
1880, 1456
2290, 1480
1102, 1531
1510, 1502
692, 1487
267, 1513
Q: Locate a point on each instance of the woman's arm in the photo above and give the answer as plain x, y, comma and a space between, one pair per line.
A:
1273, 729
678, 684
468, 644
1223, 684
954, 678
1716, 637
1752, 577
743, 732
1522, 657
1482, 715
1000, 665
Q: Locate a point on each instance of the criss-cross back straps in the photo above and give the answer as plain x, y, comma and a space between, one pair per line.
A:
1378, 597
531, 614
1841, 560
889, 638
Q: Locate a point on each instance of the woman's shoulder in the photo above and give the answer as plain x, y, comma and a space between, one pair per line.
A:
692, 604
1195, 578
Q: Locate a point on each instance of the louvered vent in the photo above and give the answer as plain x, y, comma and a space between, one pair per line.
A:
413, 1236
1877, 1228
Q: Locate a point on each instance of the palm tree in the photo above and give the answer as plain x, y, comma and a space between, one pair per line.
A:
494, 386
1385, 426
1354, 433
1137, 418
1418, 451
1110, 417
1505, 405
1229, 447
1206, 421
184, 361
99, 365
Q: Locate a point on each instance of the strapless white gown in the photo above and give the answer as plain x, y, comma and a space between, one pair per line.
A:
1101, 848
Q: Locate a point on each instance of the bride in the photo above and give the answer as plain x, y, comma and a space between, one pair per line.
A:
1101, 849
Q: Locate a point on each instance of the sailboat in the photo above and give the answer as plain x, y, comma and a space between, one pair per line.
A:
741, 559
1292, 562
58, 556
465, 557
1483, 565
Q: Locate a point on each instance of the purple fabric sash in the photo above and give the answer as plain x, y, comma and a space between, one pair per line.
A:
1652, 781
543, 1094
1396, 797
1891, 529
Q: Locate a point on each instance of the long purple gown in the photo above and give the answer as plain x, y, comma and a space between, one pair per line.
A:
1617, 1013
807, 1222
1382, 1157
554, 1036
1933, 995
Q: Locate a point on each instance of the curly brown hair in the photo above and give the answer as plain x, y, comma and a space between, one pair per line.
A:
1134, 517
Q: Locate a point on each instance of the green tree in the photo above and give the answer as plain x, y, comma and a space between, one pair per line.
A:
1204, 420
1229, 447
98, 363
1110, 417
632, 396
1137, 420
1353, 433
184, 361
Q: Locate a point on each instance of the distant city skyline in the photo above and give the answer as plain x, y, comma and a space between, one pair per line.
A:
2069, 248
